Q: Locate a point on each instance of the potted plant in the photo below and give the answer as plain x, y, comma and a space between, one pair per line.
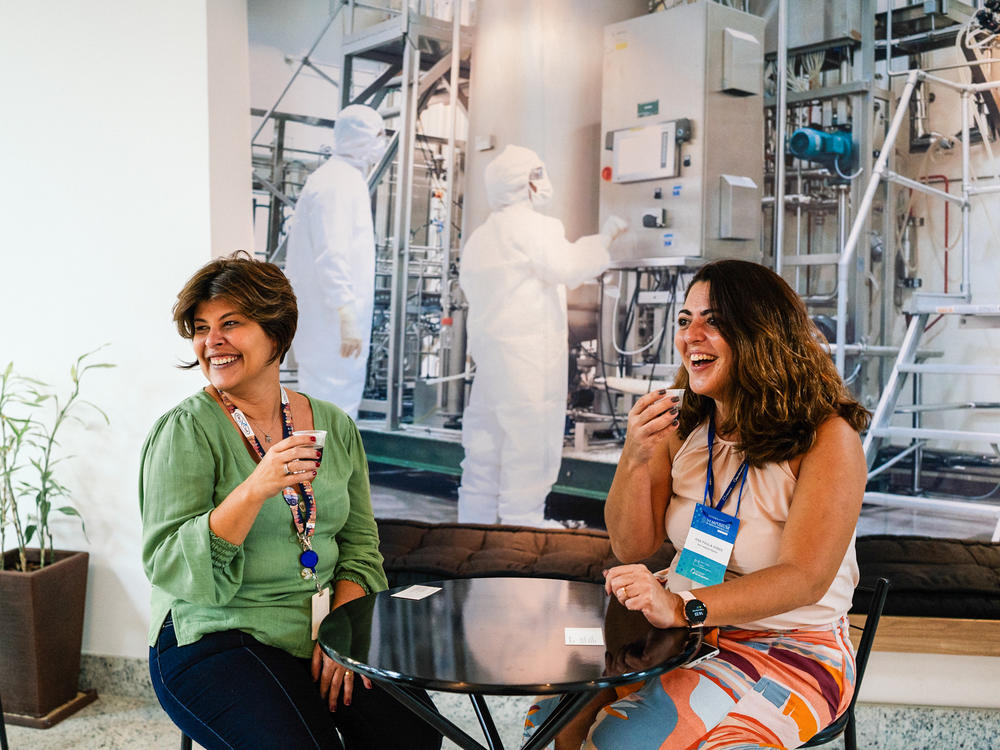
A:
42, 589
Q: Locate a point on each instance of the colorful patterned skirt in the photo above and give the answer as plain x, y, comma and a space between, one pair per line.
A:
765, 689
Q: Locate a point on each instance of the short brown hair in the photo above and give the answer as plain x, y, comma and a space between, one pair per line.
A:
784, 382
257, 288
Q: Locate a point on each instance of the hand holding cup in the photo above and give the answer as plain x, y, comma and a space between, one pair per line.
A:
320, 436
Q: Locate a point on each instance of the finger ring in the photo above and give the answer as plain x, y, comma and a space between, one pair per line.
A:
287, 472
622, 594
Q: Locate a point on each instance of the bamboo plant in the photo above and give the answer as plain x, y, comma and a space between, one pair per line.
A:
29, 456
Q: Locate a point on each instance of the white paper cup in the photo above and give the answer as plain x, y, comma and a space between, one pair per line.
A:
320, 436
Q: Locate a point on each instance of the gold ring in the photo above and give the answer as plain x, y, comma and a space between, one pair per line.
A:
622, 593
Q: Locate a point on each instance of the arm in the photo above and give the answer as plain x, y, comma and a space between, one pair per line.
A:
176, 486
233, 518
556, 260
359, 560
359, 572
822, 518
637, 502
191, 548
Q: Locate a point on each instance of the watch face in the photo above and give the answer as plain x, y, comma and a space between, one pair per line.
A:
695, 611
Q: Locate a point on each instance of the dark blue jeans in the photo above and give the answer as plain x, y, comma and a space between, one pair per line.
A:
229, 690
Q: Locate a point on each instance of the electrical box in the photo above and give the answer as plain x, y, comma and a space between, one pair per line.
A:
683, 121
822, 23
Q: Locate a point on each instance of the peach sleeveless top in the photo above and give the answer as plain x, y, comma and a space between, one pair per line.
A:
767, 496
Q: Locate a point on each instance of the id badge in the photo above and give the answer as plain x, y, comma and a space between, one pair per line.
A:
708, 546
320, 609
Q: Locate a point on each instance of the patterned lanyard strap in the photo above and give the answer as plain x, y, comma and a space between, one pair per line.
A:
301, 503
739, 477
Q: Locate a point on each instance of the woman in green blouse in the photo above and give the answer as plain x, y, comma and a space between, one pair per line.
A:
251, 534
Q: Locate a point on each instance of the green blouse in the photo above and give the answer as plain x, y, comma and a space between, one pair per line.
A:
193, 458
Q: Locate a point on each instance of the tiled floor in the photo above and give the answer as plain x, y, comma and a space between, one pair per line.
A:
120, 721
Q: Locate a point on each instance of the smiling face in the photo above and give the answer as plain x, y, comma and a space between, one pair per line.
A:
706, 355
235, 353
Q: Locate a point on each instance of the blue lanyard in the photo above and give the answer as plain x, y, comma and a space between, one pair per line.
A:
740, 476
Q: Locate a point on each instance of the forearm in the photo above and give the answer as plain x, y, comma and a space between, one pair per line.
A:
772, 591
345, 591
233, 518
765, 593
629, 514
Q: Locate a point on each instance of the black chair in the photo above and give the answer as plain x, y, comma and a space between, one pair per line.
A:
3, 729
845, 725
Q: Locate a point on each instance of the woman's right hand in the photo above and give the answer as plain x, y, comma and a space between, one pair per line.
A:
287, 463
651, 421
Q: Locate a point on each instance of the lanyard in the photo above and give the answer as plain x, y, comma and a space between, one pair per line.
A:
739, 477
301, 503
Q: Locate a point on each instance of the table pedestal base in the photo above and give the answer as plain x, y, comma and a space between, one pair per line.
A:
568, 706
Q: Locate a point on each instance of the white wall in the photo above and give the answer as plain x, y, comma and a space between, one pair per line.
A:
106, 210
931, 680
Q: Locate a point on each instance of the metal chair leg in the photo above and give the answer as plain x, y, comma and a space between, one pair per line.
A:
3, 729
850, 740
185, 742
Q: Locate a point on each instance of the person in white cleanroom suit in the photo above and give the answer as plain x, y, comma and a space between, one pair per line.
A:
331, 263
514, 271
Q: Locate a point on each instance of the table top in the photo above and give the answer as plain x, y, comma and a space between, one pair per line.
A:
501, 636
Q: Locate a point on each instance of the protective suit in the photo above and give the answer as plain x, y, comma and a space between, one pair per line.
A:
514, 272
331, 263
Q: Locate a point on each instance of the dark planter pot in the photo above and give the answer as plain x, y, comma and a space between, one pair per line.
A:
41, 633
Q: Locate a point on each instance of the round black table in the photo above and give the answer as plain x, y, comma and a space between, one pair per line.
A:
500, 636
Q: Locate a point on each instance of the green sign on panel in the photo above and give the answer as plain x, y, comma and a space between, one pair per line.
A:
649, 108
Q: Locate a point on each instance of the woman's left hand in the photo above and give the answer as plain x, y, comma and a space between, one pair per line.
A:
333, 677
638, 589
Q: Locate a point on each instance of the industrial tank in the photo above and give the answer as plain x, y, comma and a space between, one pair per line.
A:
536, 82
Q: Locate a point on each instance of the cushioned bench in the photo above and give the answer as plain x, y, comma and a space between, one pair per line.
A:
950, 578
945, 595
415, 552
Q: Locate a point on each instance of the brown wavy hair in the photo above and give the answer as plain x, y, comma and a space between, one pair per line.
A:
784, 384
256, 288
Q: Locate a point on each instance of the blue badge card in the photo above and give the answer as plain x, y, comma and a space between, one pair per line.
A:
708, 546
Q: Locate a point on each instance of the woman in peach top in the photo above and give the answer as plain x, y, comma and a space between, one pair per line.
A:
757, 477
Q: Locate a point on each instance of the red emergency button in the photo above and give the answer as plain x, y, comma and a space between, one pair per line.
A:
606, 174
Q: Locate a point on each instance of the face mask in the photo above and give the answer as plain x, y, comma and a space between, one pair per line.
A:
541, 195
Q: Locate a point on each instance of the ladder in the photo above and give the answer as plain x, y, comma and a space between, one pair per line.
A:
920, 308
882, 430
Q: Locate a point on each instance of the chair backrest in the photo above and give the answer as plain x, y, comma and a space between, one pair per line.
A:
879, 594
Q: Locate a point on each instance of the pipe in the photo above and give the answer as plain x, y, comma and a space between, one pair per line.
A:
847, 253
966, 287
780, 115
888, 38
447, 342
